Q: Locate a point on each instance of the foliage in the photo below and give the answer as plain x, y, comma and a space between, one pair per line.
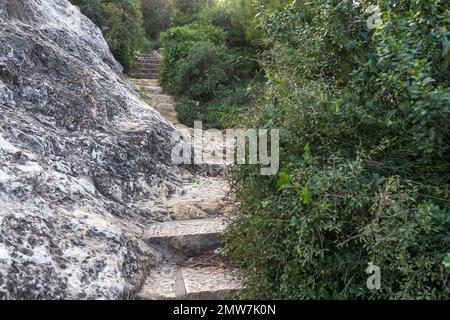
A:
365, 158
205, 59
365, 155
223, 112
121, 22
178, 43
186, 11
156, 15
447, 261
203, 72
155, 44
244, 20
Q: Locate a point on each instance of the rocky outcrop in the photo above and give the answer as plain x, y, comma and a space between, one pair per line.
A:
82, 160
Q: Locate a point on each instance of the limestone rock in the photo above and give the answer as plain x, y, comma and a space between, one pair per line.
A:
78, 148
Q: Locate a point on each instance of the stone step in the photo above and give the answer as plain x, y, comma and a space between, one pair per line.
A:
162, 99
160, 284
174, 282
148, 55
148, 65
145, 82
169, 113
153, 57
146, 70
210, 283
147, 62
145, 75
178, 240
148, 58
169, 107
152, 89
139, 69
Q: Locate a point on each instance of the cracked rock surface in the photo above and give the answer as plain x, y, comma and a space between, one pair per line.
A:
82, 159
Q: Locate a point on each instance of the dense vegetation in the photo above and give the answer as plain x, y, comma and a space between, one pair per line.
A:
209, 63
121, 22
364, 119
364, 116
157, 15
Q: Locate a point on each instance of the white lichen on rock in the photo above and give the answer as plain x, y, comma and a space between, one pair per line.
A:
78, 148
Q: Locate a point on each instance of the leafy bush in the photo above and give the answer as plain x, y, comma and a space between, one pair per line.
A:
364, 145
121, 23
155, 44
314, 238
219, 16
156, 15
178, 43
189, 111
244, 21
223, 112
207, 62
212, 115
203, 72
186, 11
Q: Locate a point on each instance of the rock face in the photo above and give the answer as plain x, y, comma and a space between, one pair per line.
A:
82, 160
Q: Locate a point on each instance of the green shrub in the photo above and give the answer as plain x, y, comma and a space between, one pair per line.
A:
189, 111
186, 11
155, 44
178, 43
245, 25
121, 22
314, 237
213, 115
224, 111
246, 63
203, 72
239, 93
221, 115
219, 16
364, 145
156, 15
207, 63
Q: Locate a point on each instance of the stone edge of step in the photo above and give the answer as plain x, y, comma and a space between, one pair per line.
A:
180, 289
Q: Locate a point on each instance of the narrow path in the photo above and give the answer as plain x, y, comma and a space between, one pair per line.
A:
188, 244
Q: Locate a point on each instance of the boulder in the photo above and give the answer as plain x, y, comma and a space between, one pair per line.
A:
82, 157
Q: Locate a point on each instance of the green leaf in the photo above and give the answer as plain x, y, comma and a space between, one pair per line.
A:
306, 195
307, 153
445, 46
294, 221
284, 181
339, 103
265, 202
447, 261
270, 109
427, 81
327, 205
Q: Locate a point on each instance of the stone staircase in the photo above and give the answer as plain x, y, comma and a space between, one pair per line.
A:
188, 245
191, 267
147, 65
